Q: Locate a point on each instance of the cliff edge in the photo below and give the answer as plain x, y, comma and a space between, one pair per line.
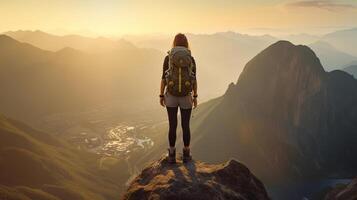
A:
196, 180
348, 192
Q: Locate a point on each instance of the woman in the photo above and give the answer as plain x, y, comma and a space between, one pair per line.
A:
179, 92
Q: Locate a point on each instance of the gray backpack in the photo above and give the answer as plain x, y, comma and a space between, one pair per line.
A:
180, 75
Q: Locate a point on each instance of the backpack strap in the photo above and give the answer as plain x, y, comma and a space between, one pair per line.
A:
168, 70
170, 63
191, 67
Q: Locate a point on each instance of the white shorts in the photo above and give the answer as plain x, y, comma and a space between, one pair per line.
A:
174, 101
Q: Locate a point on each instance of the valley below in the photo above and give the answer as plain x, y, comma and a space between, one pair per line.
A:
135, 138
127, 137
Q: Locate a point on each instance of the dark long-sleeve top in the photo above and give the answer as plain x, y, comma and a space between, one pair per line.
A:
166, 66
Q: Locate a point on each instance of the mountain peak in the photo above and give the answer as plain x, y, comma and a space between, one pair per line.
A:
6, 38
282, 46
280, 72
281, 43
68, 50
282, 60
196, 180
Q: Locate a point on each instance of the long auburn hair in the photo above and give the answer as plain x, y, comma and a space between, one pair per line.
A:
180, 40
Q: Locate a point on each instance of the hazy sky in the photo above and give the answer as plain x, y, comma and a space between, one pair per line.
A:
114, 17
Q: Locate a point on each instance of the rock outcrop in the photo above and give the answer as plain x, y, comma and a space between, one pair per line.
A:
196, 180
348, 192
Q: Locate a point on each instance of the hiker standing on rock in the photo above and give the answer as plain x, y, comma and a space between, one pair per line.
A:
179, 89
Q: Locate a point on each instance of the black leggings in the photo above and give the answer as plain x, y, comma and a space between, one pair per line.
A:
185, 123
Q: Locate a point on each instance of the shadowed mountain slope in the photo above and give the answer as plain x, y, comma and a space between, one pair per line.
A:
196, 180
35, 165
285, 117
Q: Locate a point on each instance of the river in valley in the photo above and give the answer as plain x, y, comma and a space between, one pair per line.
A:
123, 139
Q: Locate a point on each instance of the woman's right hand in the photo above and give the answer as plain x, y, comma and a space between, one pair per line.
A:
162, 101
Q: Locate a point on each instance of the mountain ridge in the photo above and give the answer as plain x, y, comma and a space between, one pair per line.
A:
344, 40
53, 42
30, 78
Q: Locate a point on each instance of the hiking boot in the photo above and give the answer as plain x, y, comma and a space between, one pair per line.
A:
186, 156
171, 158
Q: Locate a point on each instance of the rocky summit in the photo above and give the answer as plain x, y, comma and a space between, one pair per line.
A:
196, 180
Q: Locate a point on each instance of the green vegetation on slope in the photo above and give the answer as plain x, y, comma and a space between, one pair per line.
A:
35, 165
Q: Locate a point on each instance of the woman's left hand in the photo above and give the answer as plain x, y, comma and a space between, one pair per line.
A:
194, 101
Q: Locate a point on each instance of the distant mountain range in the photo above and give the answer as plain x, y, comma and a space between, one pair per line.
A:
330, 57
351, 70
36, 82
52, 42
344, 40
223, 53
214, 54
331, 48
36, 165
286, 118
301, 38
220, 57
